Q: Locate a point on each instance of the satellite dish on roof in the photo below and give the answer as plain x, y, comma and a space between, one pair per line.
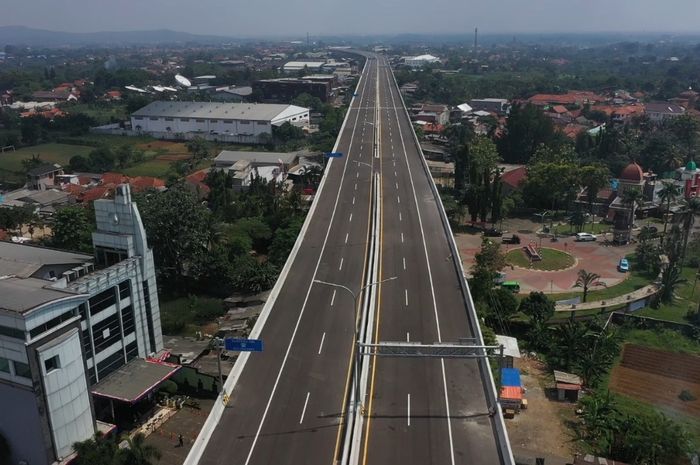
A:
183, 80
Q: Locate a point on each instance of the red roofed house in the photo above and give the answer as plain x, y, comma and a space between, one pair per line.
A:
113, 95
113, 178
513, 178
142, 183
99, 192
573, 97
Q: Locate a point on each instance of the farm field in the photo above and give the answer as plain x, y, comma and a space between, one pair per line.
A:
658, 377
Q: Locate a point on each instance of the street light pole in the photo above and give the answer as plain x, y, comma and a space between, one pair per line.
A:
356, 296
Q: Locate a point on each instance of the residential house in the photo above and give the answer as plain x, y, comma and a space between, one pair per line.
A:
660, 111
500, 106
43, 176
55, 96
431, 113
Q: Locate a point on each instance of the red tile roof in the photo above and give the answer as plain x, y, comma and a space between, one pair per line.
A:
99, 192
113, 178
514, 177
574, 97
141, 183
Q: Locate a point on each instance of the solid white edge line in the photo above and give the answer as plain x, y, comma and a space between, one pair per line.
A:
303, 411
408, 413
485, 367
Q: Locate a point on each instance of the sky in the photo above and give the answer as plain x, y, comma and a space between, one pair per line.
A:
255, 18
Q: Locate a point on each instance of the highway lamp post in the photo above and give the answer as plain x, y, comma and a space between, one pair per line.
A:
356, 298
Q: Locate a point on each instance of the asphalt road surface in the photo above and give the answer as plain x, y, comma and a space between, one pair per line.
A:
287, 405
428, 410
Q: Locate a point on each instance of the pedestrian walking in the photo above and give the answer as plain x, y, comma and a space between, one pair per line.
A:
180, 441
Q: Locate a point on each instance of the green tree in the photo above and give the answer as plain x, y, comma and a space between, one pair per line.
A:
72, 229
283, 241
526, 129
585, 280
30, 128
593, 177
177, 226
632, 198
668, 193
102, 159
570, 340
30, 163
252, 276
99, 449
538, 307
198, 147
690, 211
671, 278
137, 452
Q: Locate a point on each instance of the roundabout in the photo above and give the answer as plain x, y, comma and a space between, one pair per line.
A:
543, 259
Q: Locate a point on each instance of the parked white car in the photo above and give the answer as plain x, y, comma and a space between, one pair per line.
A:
585, 237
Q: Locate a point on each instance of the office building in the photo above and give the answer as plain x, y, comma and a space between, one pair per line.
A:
67, 322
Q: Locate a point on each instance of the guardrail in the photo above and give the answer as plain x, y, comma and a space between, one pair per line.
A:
487, 377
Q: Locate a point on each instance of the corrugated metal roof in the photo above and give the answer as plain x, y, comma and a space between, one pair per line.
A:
510, 377
217, 110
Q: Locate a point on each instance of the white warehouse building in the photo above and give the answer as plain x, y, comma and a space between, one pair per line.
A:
232, 122
68, 323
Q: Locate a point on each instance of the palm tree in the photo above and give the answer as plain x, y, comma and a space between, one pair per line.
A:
138, 452
99, 449
671, 278
570, 337
668, 193
692, 208
632, 198
585, 280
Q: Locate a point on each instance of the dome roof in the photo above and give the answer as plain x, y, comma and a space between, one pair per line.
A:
632, 172
691, 166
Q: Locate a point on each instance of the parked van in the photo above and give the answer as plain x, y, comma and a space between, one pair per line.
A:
513, 286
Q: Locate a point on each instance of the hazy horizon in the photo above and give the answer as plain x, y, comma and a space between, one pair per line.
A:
364, 17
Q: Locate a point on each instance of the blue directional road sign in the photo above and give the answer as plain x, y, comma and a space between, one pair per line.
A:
333, 154
243, 345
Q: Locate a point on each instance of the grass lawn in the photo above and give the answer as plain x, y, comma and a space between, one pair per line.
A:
632, 283
101, 112
186, 315
53, 153
552, 259
569, 230
686, 298
155, 168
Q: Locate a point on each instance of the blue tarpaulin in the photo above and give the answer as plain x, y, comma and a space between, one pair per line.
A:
510, 377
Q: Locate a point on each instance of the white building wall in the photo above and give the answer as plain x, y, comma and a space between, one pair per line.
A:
66, 391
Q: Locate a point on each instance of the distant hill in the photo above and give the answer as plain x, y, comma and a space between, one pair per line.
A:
20, 35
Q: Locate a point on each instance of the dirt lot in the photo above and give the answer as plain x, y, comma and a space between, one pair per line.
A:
540, 430
658, 377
